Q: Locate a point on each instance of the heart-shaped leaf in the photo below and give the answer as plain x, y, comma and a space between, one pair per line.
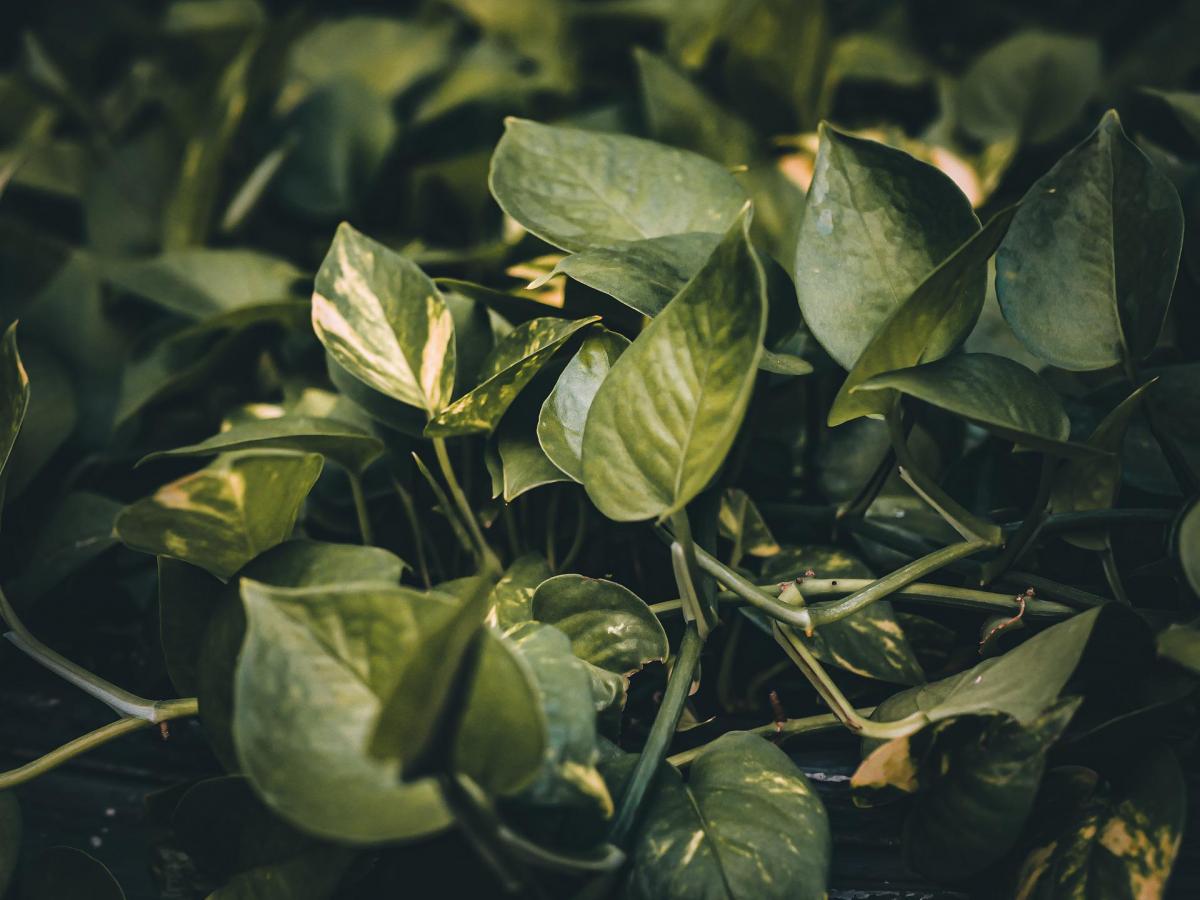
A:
934, 320
383, 321
1117, 223
59, 872
579, 189
609, 625
993, 392
664, 418
564, 414
505, 373
876, 223
226, 514
746, 824
511, 600
350, 447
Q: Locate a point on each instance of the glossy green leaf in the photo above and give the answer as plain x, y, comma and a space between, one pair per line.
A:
932, 323
350, 447
60, 872
747, 824
1181, 645
645, 274
1029, 87
384, 321
10, 837
198, 283
1092, 482
876, 223
740, 521
993, 392
1085, 275
579, 189
564, 413
311, 676
505, 373
609, 626
1114, 841
78, 530
666, 415
511, 600
237, 842
15, 399
224, 515
981, 770
524, 465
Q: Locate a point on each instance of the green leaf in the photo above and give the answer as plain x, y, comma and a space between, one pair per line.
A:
1181, 645
383, 321
311, 676
1092, 482
564, 414
10, 837
350, 447
665, 417
50, 418
1185, 106
1113, 842
79, 529
645, 274
740, 521
1085, 275
994, 392
877, 222
226, 514
14, 400
199, 282
60, 872
505, 373
511, 600
579, 189
609, 626
1189, 546
1030, 87
932, 323
747, 824
524, 465
978, 769
237, 842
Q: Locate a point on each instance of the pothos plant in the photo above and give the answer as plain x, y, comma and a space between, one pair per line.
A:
366, 705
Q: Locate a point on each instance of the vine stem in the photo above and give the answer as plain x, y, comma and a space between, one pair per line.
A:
486, 557
683, 561
965, 522
1031, 526
678, 686
580, 533
788, 728
414, 525
360, 508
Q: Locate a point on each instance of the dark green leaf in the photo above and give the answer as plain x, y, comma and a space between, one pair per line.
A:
1084, 276
666, 415
1189, 546
61, 872
384, 321
741, 522
79, 530
877, 222
226, 514
15, 399
511, 600
579, 189
609, 625
746, 825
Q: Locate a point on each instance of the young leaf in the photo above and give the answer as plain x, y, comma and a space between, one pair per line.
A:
579, 189
609, 625
59, 872
505, 373
1030, 87
877, 222
383, 321
666, 415
14, 400
747, 824
349, 447
934, 320
223, 516
311, 676
1085, 275
564, 413
993, 392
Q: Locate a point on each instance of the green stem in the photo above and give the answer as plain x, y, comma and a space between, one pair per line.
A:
360, 508
1112, 574
443, 501
1055, 590
1030, 527
687, 575
551, 536
892, 582
469, 806
486, 557
858, 505
790, 728
414, 525
661, 732
793, 645
580, 532
965, 522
